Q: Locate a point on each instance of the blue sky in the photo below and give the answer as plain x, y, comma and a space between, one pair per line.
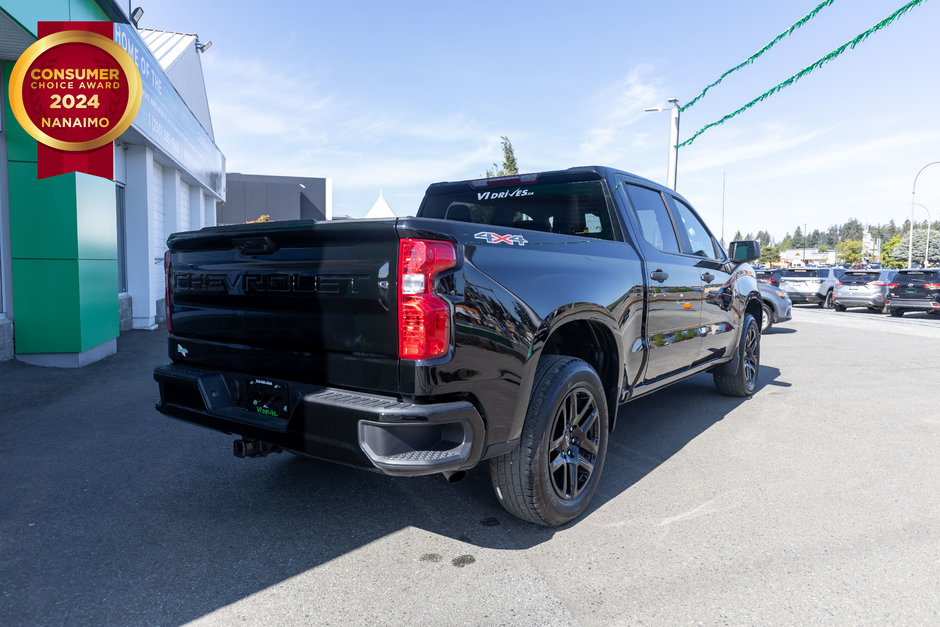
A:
394, 96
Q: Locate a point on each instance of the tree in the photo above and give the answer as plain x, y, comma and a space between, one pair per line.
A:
787, 242
888, 250
509, 161
898, 253
769, 254
737, 236
852, 230
764, 238
850, 250
798, 240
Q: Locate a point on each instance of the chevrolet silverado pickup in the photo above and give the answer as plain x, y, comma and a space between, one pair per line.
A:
512, 320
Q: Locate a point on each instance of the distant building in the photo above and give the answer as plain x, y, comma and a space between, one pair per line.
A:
807, 257
249, 196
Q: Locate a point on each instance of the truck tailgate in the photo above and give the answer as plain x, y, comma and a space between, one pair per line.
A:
311, 301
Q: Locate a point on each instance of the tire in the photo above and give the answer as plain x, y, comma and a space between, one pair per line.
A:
895, 313
839, 307
744, 380
827, 301
767, 318
564, 436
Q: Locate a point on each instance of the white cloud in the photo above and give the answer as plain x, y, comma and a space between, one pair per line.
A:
615, 110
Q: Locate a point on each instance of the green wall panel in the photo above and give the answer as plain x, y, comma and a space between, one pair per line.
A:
42, 214
96, 214
98, 297
29, 12
86, 11
46, 294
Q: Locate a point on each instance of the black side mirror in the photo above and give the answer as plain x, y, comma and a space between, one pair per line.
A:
744, 250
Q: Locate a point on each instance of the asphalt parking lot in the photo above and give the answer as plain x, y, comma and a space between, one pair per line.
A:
814, 501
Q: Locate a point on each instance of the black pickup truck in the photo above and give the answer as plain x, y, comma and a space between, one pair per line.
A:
510, 321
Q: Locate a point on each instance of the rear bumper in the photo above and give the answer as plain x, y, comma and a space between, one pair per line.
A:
806, 297
371, 431
859, 300
912, 304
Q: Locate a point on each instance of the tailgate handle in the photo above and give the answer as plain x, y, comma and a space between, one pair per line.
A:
255, 245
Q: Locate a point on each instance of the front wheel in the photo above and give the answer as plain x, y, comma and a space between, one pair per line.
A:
551, 476
744, 379
827, 301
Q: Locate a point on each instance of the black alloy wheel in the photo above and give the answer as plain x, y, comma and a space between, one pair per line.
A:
575, 436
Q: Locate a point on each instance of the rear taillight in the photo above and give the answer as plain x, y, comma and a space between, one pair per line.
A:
932, 286
875, 283
892, 284
838, 282
168, 297
423, 317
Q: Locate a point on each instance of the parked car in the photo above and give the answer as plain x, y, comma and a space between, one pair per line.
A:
769, 276
777, 306
810, 285
862, 288
914, 290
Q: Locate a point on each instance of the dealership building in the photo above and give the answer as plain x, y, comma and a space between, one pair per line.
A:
81, 257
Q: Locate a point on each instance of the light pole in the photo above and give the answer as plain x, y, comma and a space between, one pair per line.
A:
673, 141
910, 243
927, 245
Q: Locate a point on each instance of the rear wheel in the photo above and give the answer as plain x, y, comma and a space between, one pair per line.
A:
839, 307
744, 379
895, 313
551, 476
767, 318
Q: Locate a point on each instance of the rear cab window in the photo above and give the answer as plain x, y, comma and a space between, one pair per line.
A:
567, 208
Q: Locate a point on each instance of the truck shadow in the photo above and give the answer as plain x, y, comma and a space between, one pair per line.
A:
105, 498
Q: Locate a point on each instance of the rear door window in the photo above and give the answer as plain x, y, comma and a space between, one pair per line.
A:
655, 223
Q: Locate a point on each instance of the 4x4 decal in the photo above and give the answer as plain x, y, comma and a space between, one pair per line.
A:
494, 238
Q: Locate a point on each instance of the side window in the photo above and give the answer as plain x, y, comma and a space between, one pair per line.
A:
700, 240
653, 218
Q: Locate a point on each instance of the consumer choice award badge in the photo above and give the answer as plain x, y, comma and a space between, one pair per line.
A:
75, 91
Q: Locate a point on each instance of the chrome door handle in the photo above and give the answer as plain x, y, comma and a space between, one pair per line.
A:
708, 277
658, 275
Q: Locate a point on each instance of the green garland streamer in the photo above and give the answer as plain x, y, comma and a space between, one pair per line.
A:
757, 54
810, 68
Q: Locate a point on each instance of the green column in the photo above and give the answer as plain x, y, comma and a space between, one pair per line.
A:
64, 253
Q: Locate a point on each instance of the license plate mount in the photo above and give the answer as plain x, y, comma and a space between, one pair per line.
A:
268, 398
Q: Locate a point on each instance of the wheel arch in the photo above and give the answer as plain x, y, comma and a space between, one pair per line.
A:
586, 332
